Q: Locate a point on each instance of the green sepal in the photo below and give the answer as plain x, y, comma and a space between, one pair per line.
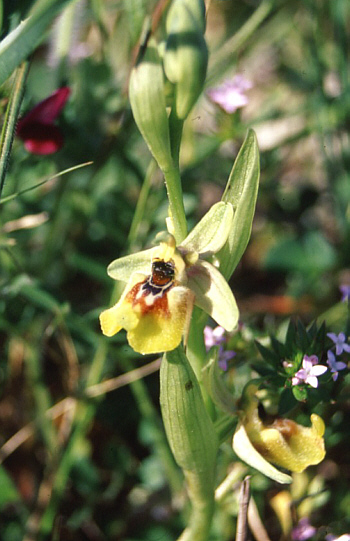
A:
215, 385
147, 99
241, 191
189, 429
124, 267
213, 294
244, 449
211, 232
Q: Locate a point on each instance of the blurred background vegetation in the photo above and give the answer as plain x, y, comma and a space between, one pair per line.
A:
93, 468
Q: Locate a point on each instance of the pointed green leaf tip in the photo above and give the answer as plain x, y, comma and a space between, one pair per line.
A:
241, 191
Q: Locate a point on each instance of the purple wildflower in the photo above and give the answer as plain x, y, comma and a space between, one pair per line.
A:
216, 337
303, 530
334, 365
345, 291
231, 94
224, 357
340, 342
309, 372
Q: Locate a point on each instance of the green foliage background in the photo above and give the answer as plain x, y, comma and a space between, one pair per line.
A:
99, 472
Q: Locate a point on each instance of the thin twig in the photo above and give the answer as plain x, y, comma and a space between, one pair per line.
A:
255, 523
242, 519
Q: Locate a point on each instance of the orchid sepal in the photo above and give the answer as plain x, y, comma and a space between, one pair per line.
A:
213, 294
211, 232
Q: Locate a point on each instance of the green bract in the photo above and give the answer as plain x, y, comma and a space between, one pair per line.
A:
241, 191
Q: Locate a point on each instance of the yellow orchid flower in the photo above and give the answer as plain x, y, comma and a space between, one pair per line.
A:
283, 442
163, 284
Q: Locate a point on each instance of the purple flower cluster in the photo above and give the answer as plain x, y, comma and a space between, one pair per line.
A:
311, 370
340, 346
216, 337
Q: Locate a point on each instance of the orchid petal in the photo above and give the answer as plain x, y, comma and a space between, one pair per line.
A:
213, 294
211, 232
156, 333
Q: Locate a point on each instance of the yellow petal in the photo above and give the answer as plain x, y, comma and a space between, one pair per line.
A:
159, 330
120, 316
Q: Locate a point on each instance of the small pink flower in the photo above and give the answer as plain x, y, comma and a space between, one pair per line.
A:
309, 372
37, 128
231, 94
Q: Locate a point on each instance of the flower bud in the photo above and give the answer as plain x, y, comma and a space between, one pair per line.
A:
186, 54
195, 7
147, 99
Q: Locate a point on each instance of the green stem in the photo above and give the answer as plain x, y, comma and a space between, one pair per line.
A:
177, 210
202, 500
12, 112
173, 180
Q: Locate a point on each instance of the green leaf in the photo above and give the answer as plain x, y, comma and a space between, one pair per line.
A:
22, 41
244, 449
189, 429
241, 191
211, 232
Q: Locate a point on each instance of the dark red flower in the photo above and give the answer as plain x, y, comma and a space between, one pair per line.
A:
37, 128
